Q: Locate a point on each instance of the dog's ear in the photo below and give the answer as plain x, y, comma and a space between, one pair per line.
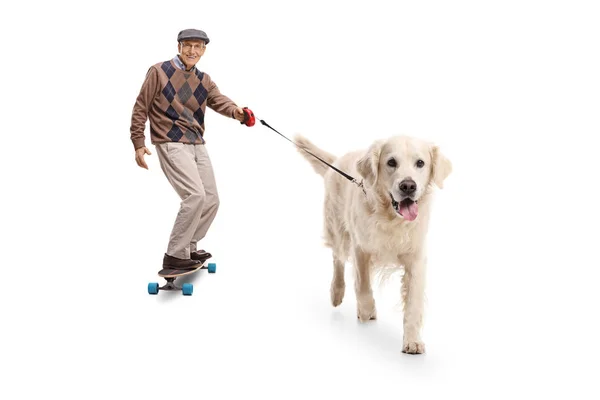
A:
441, 167
368, 164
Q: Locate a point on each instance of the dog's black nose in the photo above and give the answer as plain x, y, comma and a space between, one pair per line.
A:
408, 186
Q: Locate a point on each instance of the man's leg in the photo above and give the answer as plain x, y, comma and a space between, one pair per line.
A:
211, 204
178, 162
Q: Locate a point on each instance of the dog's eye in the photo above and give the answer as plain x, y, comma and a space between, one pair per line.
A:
420, 164
392, 163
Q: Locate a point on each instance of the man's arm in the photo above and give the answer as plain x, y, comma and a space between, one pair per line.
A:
141, 107
220, 103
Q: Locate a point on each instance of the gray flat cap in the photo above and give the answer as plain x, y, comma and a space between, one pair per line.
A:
192, 34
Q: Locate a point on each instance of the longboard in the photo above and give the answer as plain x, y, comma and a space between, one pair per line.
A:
171, 274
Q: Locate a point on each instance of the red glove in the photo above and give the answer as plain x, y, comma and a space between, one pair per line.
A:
249, 119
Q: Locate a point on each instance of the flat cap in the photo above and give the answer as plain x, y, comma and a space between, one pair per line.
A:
192, 34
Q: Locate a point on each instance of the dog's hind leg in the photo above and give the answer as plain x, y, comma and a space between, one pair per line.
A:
340, 255
338, 241
362, 285
338, 284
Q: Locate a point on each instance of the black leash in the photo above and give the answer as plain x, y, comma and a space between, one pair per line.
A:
345, 175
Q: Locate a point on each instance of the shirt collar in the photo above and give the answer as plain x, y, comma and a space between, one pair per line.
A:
179, 64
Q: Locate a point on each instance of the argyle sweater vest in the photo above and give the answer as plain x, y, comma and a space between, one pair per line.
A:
175, 101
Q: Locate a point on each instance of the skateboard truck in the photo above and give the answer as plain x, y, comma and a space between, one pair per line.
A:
170, 285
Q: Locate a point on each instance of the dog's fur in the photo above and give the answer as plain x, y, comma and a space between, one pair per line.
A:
363, 226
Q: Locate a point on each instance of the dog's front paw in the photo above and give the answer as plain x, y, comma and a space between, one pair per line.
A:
366, 310
413, 347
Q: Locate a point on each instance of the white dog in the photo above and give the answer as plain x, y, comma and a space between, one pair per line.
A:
381, 229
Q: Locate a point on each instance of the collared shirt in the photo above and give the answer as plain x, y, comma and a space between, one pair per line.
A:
181, 65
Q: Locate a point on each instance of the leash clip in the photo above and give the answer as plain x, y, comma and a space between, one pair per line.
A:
360, 185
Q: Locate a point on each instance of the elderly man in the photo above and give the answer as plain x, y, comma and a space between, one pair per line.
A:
174, 96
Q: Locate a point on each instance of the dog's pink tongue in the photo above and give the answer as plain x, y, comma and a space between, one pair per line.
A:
409, 212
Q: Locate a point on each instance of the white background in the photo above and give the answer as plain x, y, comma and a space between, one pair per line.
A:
508, 89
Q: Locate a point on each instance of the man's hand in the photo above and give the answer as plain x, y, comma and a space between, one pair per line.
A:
239, 114
245, 116
139, 156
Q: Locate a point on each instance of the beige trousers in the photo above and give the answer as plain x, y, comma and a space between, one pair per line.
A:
189, 170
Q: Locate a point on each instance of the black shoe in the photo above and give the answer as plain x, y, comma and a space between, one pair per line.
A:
200, 255
179, 263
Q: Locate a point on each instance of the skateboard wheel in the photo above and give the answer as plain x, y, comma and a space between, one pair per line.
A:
153, 288
187, 289
212, 268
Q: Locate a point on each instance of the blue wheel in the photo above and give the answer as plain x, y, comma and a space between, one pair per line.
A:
212, 268
187, 289
153, 288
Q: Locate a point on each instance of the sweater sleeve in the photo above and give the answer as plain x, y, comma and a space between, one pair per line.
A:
142, 107
217, 101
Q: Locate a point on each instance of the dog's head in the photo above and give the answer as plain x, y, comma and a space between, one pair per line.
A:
402, 168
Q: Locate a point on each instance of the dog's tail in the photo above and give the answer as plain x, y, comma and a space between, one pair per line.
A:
305, 144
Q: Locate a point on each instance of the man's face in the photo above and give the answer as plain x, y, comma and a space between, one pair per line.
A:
191, 51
